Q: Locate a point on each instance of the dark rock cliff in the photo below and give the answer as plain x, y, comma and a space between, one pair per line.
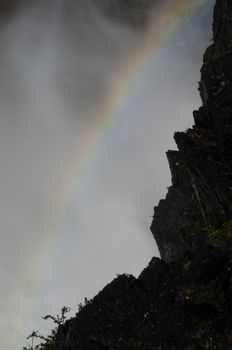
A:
184, 300
201, 194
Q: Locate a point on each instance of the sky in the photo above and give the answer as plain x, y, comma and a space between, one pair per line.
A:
88, 108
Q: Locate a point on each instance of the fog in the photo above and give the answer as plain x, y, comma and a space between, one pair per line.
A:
77, 192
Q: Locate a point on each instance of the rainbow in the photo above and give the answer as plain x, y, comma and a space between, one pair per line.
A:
171, 15
163, 27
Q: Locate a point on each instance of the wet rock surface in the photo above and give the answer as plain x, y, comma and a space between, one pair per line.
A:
184, 299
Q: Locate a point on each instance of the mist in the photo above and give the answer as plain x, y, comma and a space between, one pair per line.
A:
73, 213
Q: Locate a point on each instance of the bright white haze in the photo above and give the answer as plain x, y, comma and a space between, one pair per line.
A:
66, 233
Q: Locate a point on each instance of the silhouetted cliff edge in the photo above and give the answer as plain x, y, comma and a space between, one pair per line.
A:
184, 300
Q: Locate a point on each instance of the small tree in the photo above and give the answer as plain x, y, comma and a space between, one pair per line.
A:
48, 342
220, 237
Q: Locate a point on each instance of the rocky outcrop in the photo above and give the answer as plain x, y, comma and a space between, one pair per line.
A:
182, 306
201, 194
184, 300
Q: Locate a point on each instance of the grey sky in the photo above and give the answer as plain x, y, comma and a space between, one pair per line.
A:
60, 241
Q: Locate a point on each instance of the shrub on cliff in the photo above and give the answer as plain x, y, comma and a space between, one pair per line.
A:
220, 237
48, 342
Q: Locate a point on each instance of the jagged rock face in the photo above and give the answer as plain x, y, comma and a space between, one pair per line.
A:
201, 194
183, 302
181, 306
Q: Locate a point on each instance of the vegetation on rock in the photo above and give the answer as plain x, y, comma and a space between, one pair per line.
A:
41, 342
221, 237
